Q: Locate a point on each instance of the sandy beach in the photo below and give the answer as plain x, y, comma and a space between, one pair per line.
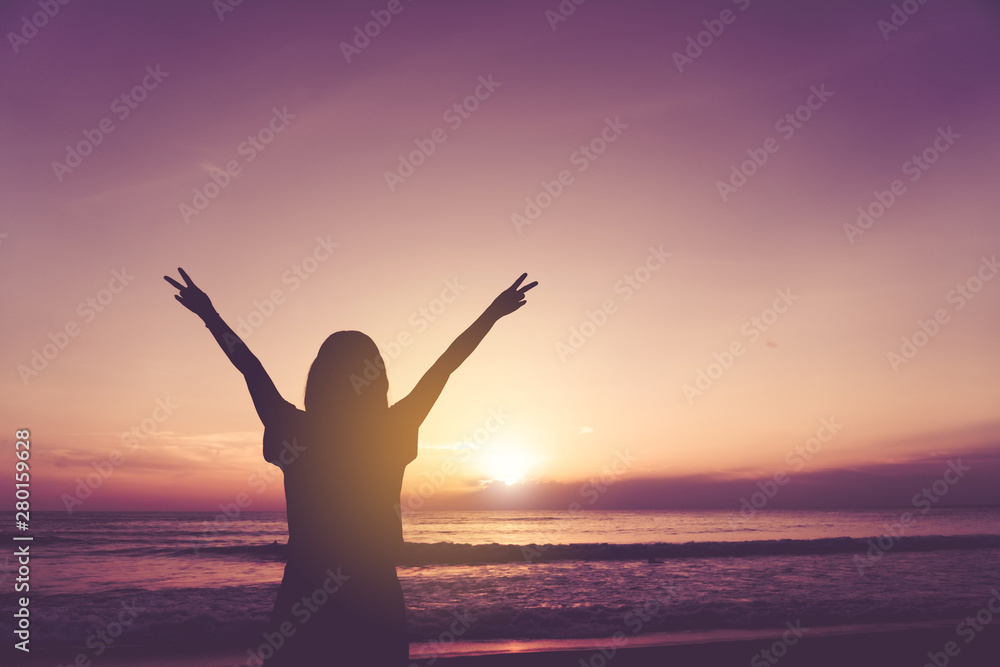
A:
818, 648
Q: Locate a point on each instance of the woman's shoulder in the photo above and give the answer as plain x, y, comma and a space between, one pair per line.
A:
285, 415
282, 434
404, 431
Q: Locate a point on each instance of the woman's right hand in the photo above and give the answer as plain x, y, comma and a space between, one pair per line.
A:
191, 297
511, 298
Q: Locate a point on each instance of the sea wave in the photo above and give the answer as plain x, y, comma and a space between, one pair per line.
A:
450, 553
237, 617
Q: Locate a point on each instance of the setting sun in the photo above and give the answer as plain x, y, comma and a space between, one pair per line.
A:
508, 464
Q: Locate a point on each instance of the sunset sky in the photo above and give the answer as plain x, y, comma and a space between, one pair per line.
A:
657, 256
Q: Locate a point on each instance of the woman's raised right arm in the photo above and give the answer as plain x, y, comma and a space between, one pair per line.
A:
420, 401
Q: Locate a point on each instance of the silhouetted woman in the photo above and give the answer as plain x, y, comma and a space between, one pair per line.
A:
340, 602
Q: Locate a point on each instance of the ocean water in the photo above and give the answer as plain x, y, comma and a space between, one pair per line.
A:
203, 581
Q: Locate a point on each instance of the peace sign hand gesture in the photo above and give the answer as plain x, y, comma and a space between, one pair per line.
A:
511, 298
191, 297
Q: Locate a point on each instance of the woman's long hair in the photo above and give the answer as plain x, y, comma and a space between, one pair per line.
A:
347, 381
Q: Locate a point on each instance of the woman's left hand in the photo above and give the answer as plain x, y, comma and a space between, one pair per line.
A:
191, 297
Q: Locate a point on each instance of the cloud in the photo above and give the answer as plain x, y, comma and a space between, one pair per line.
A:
862, 486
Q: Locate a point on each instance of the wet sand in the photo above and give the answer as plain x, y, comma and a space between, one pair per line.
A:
909, 647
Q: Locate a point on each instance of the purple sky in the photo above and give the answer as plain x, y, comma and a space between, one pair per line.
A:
699, 367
